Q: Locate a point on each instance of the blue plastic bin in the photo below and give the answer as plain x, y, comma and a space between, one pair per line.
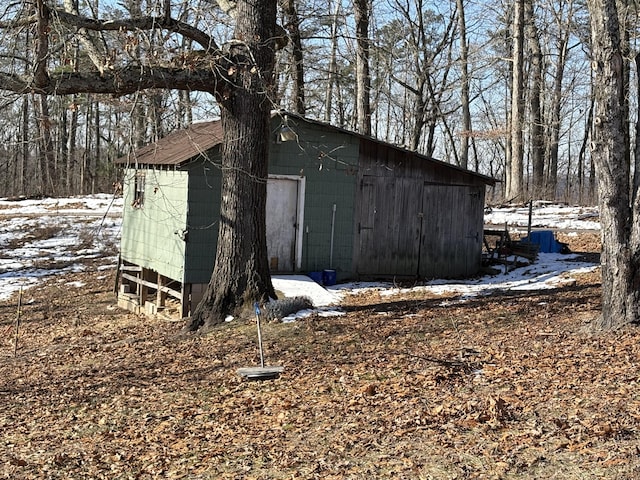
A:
329, 277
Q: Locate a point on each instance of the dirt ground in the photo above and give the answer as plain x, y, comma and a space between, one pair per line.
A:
509, 386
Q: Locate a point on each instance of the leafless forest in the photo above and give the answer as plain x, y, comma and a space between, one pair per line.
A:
503, 88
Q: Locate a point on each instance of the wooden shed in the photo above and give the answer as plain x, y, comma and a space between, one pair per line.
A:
336, 200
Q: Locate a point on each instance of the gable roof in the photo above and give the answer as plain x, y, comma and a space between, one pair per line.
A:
185, 144
178, 146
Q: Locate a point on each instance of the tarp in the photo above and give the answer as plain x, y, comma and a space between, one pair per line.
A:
547, 241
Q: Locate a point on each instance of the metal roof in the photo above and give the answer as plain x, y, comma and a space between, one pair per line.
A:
177, 147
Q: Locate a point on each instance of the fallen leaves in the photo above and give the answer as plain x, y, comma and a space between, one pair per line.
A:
502, 387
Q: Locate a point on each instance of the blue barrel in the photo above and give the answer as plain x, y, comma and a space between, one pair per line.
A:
329, 277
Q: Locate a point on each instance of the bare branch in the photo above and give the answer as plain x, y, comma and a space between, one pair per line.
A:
97, 57
117, 82
21, 22
142, 23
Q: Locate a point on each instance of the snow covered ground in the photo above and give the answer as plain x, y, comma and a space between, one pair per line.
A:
545, 215
42, 238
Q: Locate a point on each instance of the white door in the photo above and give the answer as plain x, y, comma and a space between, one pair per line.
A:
282, 222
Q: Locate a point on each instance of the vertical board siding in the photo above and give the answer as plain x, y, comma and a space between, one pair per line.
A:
149, 236
416, 218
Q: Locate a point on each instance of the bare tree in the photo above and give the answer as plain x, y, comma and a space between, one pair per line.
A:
239, 75
618, 193
297, 60
536, 76
241, 270
514, 188
332, 79
464, 86
563, 18
362, 10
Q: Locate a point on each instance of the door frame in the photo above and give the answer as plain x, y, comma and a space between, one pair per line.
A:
299, 234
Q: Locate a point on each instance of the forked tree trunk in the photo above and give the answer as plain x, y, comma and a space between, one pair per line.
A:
241, 272
619, 209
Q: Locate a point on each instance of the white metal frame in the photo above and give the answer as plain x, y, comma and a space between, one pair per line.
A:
300, 211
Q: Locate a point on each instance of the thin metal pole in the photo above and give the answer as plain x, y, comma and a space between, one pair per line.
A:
15, 343
257, 307
333, 227
529, 224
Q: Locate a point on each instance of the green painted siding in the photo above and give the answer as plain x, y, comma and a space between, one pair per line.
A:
203, 216
328, 160
149, 237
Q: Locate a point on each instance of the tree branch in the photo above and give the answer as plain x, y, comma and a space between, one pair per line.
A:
97, 57
142, 23
127, 24
117, 82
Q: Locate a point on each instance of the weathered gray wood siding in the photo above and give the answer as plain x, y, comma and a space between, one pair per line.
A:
414, 217
149, 236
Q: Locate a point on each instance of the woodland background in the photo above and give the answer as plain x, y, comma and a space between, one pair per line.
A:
441, 81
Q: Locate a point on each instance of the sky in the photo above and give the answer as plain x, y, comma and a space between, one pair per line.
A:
48, 238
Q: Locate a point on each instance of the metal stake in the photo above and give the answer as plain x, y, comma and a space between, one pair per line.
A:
257, 308
15, 343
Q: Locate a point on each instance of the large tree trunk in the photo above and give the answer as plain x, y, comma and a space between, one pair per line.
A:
362, 10
515, 169
537, 81
619, 210
241, 273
